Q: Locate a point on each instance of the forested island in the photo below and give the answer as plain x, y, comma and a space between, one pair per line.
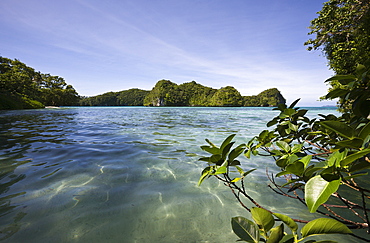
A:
22, 87
167, 93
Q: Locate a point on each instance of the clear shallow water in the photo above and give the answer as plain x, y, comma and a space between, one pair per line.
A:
124, 174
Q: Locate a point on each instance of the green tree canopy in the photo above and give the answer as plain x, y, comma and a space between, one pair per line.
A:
164, 93
342, 32
196, 94
227, 96
132, 97
22, 87
267, 98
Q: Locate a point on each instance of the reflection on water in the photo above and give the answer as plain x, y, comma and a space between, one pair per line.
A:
121, 174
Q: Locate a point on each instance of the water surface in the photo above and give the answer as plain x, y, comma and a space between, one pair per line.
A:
124, 174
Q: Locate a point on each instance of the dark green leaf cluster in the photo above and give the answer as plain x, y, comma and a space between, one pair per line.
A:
131, 97
21, 87
262, 228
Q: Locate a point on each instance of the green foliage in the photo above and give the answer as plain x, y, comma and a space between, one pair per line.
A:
54, 91
167, 93
24, 88
14, 101
267, 98
261, 228
321, 160
131, 97
196, 94
342, 32
227, 96
353, 91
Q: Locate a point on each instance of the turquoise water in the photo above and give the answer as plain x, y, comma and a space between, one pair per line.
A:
124, 174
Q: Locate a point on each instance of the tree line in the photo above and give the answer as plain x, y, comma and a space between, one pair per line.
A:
167, 93
22, 87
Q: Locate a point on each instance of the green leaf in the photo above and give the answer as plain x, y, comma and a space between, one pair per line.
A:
306, 160
236, 152
282, 162
221, 170
210, 143
354, 176
287, 113
205, 173
283, 145
236, 179
248, 153
365, 131
340, 128
292, 158
276, 234
234, 163
350, 158
336, 93
263, 218
293, 127
294, 103
245, 229
225, 150
211, 150
288, 221
282, 173
241, 171
227, 141
272, 122
324, 226
276, 152
355, 143
207, 159
335, 158
248, 172
216, 158
296, 148
346, 78
318, 191
359, 165
296, 168
287, 239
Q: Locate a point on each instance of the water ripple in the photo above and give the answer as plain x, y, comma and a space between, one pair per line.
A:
119, 174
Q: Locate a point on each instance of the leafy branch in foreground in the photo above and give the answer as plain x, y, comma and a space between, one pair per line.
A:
263, 223
324, 161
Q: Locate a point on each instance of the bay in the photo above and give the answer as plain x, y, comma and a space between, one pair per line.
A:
125, 174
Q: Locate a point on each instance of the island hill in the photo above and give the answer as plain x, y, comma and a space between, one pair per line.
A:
167, 93
22, 87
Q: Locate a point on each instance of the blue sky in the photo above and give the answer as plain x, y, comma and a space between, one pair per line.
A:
100, 46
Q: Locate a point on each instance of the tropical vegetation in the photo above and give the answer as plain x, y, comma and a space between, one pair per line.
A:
131, 97
21, 87
168, 93
324, 162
